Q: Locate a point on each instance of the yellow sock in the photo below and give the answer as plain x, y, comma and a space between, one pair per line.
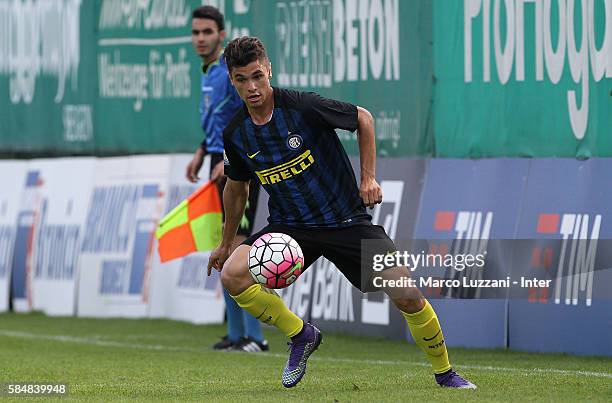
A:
265, 304
427, 334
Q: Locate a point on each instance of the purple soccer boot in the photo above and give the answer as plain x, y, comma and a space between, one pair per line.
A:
301, 346
451, 379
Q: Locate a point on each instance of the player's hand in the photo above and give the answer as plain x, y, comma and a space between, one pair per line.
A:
217, 172
370, 192
194, 166
218, 257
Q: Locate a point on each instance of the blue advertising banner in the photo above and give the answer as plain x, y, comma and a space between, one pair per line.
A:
566, 211
464, 205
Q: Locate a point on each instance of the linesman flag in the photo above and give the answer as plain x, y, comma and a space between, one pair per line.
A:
194, 225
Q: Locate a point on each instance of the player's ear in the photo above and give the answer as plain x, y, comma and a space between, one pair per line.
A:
222, 35
269, 69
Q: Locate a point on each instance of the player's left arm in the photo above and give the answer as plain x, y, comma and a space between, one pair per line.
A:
369, 189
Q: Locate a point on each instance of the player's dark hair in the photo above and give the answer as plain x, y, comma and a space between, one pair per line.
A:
209, 13
244, 50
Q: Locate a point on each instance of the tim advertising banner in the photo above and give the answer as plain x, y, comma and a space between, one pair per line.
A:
118, 249
568, 215
59, 227
465, 206
180, 289
13, 182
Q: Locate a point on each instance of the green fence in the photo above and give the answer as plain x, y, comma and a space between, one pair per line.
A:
148, 78
375, 53
47, 76
464, 78
518, 78
128, 82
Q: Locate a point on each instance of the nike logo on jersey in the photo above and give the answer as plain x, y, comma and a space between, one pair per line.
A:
251, 156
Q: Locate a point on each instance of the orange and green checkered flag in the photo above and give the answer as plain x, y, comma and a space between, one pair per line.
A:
194, 225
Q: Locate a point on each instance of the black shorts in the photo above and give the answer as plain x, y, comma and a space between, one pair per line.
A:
248, 219
351, 249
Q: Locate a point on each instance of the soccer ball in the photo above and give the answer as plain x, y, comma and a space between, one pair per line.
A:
275, 260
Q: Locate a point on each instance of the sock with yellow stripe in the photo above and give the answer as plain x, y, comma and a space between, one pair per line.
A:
427, 334
265, 304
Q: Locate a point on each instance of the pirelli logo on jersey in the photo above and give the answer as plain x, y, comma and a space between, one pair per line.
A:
287, 170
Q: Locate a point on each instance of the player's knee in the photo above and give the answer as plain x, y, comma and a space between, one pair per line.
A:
232, 281
396, 282
235, 276
409, 305
227, 279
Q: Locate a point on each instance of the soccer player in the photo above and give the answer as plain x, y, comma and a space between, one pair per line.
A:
286, 140
218, 104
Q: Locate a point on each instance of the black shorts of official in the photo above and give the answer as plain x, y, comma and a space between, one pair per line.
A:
246, 224
351, 248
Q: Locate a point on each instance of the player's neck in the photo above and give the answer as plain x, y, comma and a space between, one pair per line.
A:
213, 57
263, 114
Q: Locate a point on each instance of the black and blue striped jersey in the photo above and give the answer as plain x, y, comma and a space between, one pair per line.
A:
298, 159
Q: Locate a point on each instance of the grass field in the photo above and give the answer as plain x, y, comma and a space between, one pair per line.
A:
147, 360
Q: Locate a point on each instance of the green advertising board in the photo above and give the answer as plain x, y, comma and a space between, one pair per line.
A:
120, 77
374, 53
148, 78
523, 78
503, 78
47, 76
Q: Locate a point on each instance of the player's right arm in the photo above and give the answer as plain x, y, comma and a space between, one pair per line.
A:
235, 196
